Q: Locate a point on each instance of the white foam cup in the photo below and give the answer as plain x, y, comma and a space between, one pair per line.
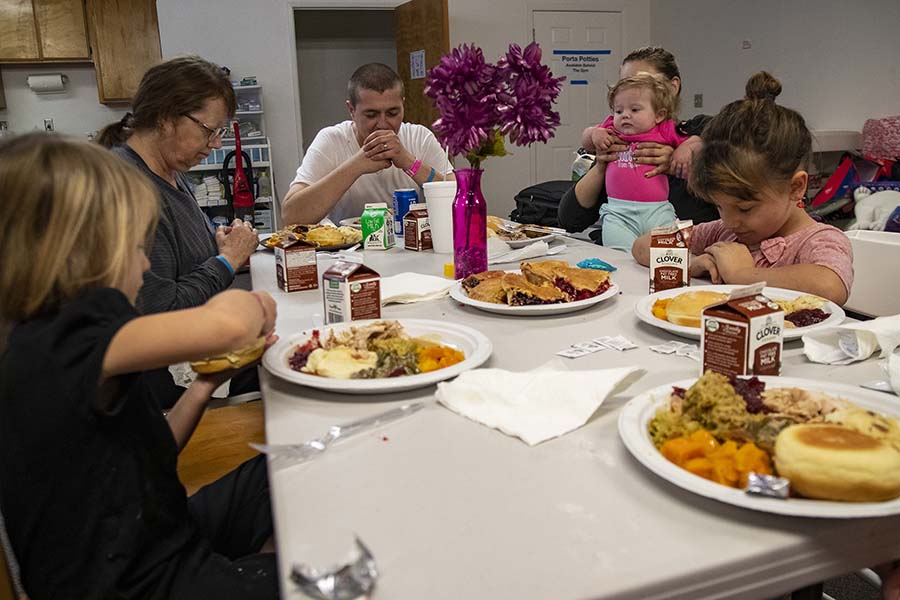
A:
439, 197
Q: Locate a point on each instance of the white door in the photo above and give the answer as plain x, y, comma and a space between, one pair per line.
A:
586, 47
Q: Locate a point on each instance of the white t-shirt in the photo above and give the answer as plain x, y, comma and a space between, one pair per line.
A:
336, 144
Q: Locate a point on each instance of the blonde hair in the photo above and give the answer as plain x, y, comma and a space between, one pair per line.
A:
71, 216
751, 145
661, 96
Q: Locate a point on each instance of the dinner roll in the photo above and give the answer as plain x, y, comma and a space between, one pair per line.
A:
230, 360
685, 309
832, 462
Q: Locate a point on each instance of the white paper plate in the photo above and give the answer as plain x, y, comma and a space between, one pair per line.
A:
516, 244
538, 310
264, 236
643, 308
351, 222
476, 347
640, 410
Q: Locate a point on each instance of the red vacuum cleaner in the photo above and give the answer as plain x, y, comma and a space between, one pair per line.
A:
240, 191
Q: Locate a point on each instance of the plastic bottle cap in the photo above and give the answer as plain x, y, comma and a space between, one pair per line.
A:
448, 270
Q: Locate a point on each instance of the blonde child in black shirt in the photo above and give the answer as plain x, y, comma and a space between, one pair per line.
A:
88, 485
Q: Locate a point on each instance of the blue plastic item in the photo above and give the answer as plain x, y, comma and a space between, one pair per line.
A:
596, 263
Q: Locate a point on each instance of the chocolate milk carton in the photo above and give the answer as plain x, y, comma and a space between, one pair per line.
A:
351, 291
743, 335
295, 266
416, 229
670, 256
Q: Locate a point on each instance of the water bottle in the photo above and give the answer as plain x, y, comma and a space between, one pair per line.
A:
469, 225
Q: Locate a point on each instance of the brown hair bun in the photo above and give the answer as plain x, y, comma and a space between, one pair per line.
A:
762, 86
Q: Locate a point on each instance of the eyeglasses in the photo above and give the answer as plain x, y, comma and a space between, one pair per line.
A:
212, 134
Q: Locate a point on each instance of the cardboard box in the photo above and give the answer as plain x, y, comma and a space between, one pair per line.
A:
416, 228
743, 335
295, 266
351, 291
670, 256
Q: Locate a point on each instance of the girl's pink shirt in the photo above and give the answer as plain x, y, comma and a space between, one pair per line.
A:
817, 244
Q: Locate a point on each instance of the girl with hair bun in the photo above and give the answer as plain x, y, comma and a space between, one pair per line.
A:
752, 168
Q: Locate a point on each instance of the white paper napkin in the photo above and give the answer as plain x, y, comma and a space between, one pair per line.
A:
500, 252
893, 369
537, 405
405, 288
853, 342
184, 376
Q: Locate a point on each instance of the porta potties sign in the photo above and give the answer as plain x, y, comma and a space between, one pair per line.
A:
582, 67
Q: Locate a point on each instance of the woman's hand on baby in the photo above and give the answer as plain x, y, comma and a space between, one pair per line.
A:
651, 153
733, 261
683, 156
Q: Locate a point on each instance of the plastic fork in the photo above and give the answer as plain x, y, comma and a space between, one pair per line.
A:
300, 453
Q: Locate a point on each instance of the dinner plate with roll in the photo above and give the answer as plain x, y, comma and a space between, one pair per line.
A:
678, 310
836, 446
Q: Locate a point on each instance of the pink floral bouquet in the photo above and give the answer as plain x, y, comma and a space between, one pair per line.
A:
480, 103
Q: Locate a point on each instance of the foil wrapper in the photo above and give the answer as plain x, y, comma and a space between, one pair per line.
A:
768, 486
353, 579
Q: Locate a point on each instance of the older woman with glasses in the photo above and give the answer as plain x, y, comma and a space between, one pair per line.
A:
181, 110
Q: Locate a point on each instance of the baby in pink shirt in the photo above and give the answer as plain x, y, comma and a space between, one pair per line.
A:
643, 106
752, 168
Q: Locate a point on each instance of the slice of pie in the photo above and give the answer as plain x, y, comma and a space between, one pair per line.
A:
521, 292
581, 284
488, 290
544, 272
473, 281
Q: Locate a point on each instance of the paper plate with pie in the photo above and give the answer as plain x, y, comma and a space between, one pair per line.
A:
377, 356
323, 237
678, 310
549, 287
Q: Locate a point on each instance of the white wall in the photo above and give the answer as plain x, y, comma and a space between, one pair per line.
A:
838, 61
77, 111
331, 45
251, 38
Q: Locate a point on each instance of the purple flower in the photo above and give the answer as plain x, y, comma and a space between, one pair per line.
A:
530, 90
464, 88
479, 102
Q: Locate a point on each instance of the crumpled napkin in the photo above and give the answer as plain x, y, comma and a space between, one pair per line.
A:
537, 405
184, 376
405, 288
853, 342
500, 252
893, 369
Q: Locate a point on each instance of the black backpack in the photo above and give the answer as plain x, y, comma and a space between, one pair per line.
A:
538, 204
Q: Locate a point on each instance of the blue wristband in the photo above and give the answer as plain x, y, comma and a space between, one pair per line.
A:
430, 176
226, 263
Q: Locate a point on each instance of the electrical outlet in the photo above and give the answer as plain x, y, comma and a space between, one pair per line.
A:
746, 45
698, 100
48, 125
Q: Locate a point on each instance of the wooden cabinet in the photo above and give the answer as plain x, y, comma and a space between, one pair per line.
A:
125, 40
43, 31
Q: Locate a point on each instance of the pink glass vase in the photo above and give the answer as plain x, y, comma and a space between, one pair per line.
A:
469, 224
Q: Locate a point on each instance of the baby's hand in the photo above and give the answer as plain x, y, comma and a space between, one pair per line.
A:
601, 138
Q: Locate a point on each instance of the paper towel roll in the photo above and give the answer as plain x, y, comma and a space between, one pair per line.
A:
50, 83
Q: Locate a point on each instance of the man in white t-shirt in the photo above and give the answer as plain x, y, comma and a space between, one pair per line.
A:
366, 158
